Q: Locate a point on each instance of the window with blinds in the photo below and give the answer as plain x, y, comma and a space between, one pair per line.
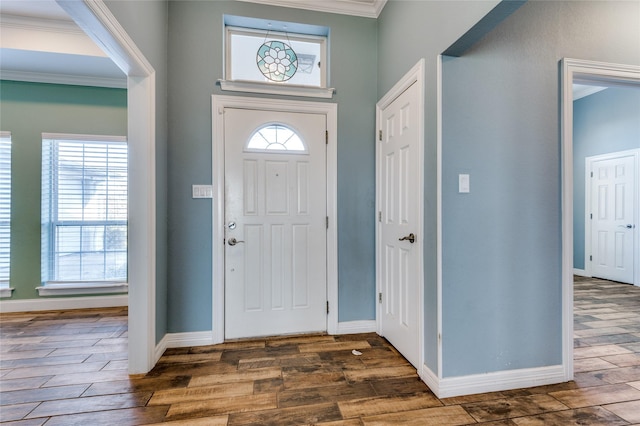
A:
84, 209
5, 208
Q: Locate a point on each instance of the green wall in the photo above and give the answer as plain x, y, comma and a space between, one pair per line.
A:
27, 110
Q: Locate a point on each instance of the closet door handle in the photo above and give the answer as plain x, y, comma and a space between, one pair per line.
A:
411, 238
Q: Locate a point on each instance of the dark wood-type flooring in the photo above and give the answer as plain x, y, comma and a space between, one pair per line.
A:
70, 368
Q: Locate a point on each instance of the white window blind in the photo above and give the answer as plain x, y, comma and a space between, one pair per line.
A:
5, 208
84, 209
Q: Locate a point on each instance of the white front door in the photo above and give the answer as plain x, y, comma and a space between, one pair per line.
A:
398, 239
613, 218
275, 223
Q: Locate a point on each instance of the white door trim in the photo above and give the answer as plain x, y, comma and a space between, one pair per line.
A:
330, 110
636, 207
414, 76
95, 18
576, 69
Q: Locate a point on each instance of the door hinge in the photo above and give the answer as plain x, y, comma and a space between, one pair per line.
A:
327, 307
379, 297
326, 137
590, 258
327, 222
591, 174
380, 135
590, 215
379, 216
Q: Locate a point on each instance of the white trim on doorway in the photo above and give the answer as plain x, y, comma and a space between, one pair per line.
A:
577, 70
95, 19
415, 75
330, 110
438, 372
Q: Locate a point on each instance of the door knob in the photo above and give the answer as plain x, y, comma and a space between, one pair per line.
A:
628, 226
411, 238
232, 241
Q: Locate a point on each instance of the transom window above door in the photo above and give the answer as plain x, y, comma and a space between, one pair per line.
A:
275, 138
266, 56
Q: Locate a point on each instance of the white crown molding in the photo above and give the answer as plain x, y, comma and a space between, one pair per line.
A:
45, 35
74, 80
40, 24
367, 9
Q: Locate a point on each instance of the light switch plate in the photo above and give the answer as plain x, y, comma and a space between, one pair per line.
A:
463, 183
202, 191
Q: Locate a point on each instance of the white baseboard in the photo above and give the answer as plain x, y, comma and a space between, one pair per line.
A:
580, 273
430, 378
194, 338
493, 382
63, 303
182, 340
355, 327
160, 348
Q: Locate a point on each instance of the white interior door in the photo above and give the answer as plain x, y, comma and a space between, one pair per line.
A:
398, 201
275, 218
612, 214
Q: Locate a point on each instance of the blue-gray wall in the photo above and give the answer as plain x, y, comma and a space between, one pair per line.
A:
195, 63
27, 110
146, 22
407, 32
607, 121
502, 242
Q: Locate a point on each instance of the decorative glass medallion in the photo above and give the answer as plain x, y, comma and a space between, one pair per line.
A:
277, 61
275, 137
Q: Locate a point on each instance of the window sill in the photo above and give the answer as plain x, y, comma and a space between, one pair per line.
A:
5, 292
76, 288
276, 89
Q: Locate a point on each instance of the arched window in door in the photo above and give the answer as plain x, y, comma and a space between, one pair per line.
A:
276, 138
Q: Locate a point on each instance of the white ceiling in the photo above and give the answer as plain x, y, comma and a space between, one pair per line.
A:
583, 90
39, 42
35, 8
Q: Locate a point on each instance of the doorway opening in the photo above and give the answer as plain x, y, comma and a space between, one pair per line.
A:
610, 208
588, 73
100, 25
400, 218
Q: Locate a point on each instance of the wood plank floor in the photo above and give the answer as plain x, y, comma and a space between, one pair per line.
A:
70, 368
